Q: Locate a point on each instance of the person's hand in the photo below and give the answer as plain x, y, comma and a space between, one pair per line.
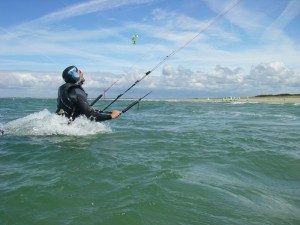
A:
115, 114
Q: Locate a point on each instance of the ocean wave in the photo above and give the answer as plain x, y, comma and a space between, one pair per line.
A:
45, 123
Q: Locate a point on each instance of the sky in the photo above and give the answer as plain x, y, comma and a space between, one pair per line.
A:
193, 48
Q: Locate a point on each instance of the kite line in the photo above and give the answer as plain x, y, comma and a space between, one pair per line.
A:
212, 22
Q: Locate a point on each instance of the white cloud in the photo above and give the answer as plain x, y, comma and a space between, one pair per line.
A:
264, 78
291, 11
275, 77
26, 79
86, 8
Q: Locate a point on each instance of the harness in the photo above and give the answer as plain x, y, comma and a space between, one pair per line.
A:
65, 105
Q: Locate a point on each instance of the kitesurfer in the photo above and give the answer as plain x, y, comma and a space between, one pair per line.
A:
72, 99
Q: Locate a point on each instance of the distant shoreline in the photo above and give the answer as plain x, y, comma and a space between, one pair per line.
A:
255, 99
269, 99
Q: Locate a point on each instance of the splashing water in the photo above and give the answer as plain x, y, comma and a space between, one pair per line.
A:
45, 123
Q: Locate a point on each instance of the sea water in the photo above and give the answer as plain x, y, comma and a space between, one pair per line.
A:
161, 163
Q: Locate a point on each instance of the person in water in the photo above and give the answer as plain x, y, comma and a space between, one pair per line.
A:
72, 99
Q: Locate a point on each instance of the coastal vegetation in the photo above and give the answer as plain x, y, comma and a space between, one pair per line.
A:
278, 95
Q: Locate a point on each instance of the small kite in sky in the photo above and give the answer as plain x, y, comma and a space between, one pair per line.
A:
133, 39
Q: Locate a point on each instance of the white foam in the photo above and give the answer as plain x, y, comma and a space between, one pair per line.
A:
45, 123
238, 103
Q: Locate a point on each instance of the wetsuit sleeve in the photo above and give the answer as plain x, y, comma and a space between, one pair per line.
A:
98, 116
78, 96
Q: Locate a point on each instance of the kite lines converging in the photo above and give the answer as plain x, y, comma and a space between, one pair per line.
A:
213, 21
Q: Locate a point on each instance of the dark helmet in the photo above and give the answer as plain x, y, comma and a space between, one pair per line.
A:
71, 75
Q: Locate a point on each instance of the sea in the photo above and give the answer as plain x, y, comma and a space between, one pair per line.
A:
160, 163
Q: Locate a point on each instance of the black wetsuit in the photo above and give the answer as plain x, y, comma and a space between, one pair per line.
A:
72, 102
